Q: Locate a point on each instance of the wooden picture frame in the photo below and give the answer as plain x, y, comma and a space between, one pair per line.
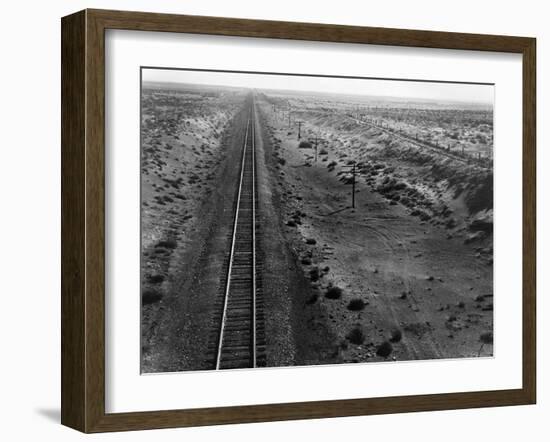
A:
83, 220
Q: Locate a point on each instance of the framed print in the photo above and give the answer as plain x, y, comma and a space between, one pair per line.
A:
269, 220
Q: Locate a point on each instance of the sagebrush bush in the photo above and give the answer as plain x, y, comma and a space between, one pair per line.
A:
168, 244
356, 336
155, 279
486, 338
314, 274
396, 335
384, 349
150, 296
356, 304
333, 293
312, 299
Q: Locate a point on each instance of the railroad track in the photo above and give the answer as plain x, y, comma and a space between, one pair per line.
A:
239, 340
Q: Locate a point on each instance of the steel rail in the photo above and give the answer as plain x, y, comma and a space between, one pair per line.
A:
231, 256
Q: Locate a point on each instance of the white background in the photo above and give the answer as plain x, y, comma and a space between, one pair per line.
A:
29, 183
128, 391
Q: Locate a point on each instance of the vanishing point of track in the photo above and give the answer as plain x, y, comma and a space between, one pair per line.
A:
240, 340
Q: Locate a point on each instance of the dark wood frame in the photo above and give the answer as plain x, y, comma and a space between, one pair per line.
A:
83, 216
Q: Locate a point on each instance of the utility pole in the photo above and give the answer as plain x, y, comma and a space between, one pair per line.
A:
316, 147
353, 187
299, 128
353, 170
316, 143
289, 115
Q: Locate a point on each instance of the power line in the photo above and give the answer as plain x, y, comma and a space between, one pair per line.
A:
353, 171
299, 128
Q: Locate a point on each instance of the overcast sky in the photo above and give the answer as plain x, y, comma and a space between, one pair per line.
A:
468, 93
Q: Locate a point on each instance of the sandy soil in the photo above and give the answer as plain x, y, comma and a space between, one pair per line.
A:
391, 284
297, 332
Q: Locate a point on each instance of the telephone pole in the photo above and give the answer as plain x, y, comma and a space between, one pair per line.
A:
299, 128
353, 171
316, 143
289, 115
353, 187
316, 147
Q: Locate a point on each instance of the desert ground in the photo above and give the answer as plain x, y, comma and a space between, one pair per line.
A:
405, 274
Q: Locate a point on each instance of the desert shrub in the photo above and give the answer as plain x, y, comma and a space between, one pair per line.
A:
323, 152
333, 293
405, 200
356, 336
150, 296
312, 299
311, 241
304, 145
400, 186
396, 335
314, 274
421, 214
384, 349
486, 338
168, 244
281, 161
306, 261
481, 138
291, 223
356, 304
417, 328
155, 279
451, 223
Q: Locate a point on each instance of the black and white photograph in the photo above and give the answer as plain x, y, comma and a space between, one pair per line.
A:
300, 220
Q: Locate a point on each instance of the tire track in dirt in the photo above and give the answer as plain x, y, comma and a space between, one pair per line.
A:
395, 243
